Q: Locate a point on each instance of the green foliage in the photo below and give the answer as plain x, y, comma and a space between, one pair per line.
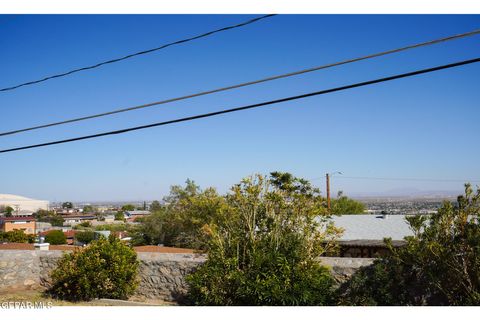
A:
9, 211
50, 217
105, 269
89, 209
56, 237
151, 230
264, 251
16, 236
439, 265
155, 206
85, 237
56, 221
128, 207
120, 216
113, 227
180, 222
344, 205
85, 224
384, 283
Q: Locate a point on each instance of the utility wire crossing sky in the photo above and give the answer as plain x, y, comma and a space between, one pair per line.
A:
257, 105
244, 84
136, 54
425, 127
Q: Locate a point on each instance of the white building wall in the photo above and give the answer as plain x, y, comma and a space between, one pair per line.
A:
20, 203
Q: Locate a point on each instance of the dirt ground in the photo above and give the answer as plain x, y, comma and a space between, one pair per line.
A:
38, 296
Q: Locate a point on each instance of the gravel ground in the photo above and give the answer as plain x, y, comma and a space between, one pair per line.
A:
36, 296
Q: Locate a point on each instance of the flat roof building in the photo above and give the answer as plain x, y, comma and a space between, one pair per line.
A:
26, 224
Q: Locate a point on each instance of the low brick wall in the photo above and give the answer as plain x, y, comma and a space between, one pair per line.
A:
162, 275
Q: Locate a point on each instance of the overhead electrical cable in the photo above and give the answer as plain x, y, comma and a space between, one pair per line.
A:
257, 105
244, 84
401, 179
137, 53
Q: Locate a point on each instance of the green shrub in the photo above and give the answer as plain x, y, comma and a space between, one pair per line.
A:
112, 227
439, 265
179, 224
265, 251
106, 268
56, 237
120, 216
384, 283
17, 236
85, 237
85, 224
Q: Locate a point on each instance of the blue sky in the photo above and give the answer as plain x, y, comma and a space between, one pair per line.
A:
420, 127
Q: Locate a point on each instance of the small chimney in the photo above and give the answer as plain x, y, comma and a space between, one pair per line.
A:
42, 246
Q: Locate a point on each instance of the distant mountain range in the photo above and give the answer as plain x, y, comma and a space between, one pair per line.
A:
408, 193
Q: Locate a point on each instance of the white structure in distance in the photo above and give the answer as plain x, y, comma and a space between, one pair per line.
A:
22, 206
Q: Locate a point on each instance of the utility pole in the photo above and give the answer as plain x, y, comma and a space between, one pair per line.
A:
328, 191
328, 187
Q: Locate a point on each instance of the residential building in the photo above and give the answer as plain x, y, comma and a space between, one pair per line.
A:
363, 234
27, 224
136, 213
76, 219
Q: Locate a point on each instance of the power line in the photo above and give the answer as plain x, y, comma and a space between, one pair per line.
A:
402, 179
138, 53
206, 115
245, 84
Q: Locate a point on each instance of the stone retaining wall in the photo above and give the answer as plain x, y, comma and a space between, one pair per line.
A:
162, 275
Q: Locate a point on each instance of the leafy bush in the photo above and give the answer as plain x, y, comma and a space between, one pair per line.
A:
179, 224
344, 205
106, 268
265, 251
112, 227
85, 224
120, 216
128, 207
50, 217
85, 237
439, 265
16, 236
56, 237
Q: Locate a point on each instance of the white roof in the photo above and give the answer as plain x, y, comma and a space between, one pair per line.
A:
139, 212
372, 227
12, 197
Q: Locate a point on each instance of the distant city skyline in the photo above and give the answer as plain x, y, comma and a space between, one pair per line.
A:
424, 127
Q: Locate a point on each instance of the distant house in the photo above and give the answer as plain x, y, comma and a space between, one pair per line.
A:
27, 224
76, 219
363, 234
109, 218
137, 213
132, 215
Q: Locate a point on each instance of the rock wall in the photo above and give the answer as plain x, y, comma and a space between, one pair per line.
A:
26, 269
343, 268
162, 276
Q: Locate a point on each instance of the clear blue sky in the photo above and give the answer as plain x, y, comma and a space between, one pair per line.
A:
421, 127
